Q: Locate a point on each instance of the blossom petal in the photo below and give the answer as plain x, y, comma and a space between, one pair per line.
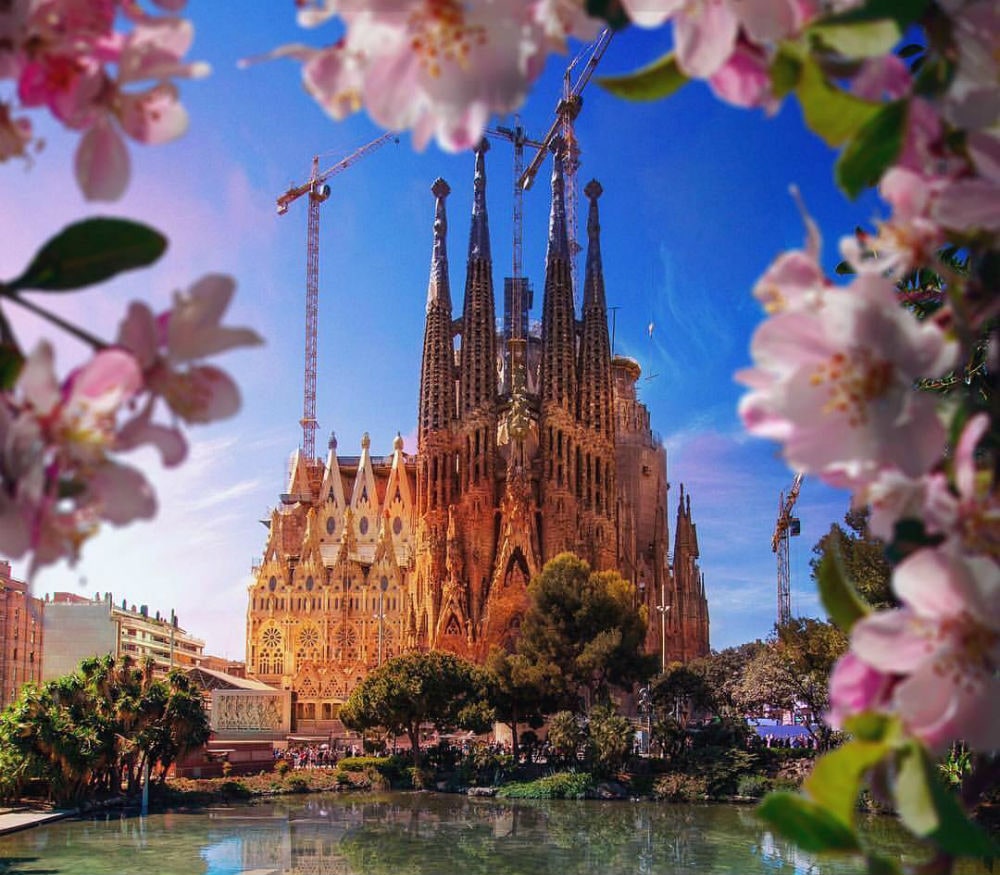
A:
154, 116
893, 642
123, 493
102, 163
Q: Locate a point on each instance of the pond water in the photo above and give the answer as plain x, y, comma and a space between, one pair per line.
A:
425, 834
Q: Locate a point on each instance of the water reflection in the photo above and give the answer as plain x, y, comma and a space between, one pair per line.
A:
421, 834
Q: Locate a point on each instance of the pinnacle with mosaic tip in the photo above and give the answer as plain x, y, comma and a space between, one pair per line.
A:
479, 237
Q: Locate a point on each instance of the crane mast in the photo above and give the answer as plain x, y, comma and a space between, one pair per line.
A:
567, 110
318, 191
785, 527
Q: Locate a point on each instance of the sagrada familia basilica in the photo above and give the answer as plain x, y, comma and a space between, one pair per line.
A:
529, 443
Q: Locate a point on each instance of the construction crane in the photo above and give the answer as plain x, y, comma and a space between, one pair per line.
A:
318, 191
519, 139
786, 526
517, 295
567, 110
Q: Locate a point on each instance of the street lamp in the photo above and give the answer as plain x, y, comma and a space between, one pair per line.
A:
663, 608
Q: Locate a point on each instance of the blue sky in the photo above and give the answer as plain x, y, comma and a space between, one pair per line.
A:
695, 206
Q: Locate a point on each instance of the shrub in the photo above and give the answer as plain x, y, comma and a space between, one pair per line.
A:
282, 767
565, 735
227, 768
235, 790
561, 785
678, 787
754, 786
297, 784
610, 741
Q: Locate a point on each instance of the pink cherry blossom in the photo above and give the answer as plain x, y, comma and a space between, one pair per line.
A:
943, 646
439, 68
855, 687
834, 384
67, 57
910, 237
58, 480
745, 79
167, 347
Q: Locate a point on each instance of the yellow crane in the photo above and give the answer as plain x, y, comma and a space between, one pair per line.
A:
318, 191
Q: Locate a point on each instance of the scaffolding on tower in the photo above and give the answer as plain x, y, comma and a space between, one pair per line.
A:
318, 191
786, 526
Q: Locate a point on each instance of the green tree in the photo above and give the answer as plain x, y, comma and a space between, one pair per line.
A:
420, 687
518, 690
722, 671
793, 670
609, 740
89, 733
863, 557
565, 735
585, 626
680, 690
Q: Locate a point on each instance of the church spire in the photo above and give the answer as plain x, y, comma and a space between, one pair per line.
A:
436, 412
593, 289
558, 369
596, 405
479, 237
439, 289
558, 235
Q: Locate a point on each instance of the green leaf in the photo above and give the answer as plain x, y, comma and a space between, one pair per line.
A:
912, 793
872, 726
869, 39
930, 810
834, 115
89, 252
653, 82
872, 149
809, 825
786, 71
835, 781
902, 12
837, 592
11, 361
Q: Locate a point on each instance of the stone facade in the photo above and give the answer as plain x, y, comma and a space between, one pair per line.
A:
529, 443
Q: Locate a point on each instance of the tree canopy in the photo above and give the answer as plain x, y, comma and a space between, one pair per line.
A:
585, 625
863, 558
432, 687
94, 731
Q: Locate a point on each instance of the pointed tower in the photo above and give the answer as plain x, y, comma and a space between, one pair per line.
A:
595, 480
331, 504
558, 399
477, 401
436, 413
365, 505
688, 625
436, 417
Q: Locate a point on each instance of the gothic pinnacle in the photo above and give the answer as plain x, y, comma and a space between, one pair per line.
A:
438, 289
593, 290
558, 235
479, 237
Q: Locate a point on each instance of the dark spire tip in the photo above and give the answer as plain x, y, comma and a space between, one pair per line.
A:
440, 188
593, 189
